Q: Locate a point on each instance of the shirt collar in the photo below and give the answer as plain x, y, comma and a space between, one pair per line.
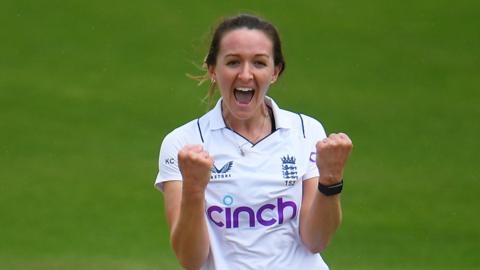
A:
281, 118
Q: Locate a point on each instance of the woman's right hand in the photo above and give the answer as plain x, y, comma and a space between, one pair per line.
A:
195, 164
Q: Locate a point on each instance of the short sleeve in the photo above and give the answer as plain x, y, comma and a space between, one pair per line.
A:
168, 164
314, 132
172, 143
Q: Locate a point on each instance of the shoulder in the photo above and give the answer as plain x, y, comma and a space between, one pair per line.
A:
314, 130
308, 126
312, 126
187, 133
192, 132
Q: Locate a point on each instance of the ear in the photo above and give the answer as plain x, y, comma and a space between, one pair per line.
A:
211, 73
276, 73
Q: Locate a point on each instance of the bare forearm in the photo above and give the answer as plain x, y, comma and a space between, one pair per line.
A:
321, 222
189, 235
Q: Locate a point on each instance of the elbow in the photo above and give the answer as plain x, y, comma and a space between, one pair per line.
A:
189, 262
318, 246
187, 258
188, 265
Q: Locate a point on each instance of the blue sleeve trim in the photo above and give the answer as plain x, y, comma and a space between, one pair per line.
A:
199, 129
303, 127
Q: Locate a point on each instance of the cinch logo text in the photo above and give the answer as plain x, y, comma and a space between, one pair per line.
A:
231, 215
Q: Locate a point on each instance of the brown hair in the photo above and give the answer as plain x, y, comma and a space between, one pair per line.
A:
233, 23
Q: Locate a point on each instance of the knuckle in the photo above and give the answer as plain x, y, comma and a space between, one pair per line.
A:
344, 143
181, 154
192, 156
321, 145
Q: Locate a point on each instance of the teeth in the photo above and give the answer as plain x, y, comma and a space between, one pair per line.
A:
243, 89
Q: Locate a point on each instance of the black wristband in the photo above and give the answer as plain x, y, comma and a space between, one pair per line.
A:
332, 189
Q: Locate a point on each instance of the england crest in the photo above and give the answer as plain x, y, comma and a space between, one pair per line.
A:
289, 168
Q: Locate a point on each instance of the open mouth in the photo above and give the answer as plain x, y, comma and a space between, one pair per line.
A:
243, 95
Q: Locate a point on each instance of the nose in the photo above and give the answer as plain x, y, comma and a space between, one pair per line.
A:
245, 73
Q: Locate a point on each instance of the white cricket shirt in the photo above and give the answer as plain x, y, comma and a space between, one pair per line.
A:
254, 196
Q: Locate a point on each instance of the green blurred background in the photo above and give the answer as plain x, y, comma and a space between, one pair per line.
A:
88, 89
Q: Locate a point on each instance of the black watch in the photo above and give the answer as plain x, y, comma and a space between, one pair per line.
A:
332, 189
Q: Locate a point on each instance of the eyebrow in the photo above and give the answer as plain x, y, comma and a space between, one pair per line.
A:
256, 55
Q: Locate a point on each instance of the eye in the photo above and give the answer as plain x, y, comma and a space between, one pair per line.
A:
233, 62
259, 63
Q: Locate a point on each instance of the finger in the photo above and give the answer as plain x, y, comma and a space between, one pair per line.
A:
204, 155
210, 162
345, 141
187, 148
333, 135
183, 153
321, 144
332, 140
199, 157
339, 139
205, 160
344, 137
197, 148
192, 155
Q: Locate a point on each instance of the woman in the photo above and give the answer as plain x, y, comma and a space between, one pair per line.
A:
241, 184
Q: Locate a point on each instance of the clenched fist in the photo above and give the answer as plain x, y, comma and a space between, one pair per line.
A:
332, 155
195, 164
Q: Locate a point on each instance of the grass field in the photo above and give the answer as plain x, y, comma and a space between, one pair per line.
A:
88, 89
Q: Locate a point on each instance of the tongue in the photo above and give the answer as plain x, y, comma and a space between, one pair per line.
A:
243, 97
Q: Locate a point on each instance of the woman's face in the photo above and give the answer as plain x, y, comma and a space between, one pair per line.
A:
244, 71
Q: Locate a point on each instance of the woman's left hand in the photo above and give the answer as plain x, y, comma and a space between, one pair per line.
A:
332, 155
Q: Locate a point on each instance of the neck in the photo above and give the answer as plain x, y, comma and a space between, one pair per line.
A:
255, 128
